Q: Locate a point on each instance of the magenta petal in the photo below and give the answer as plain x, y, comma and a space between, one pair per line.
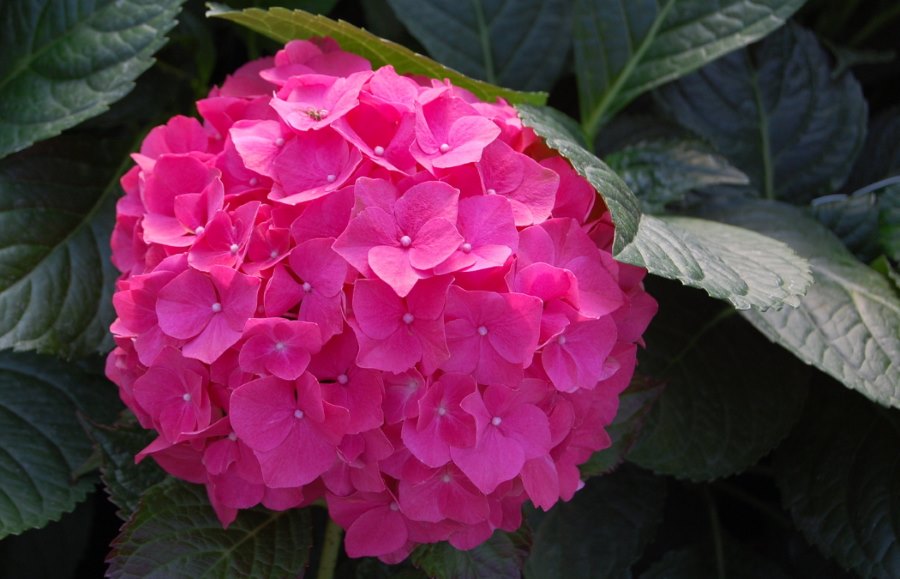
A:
379, 312
262, 412
376, 532
391, 264
302, 457
495, 459
371, 227
185, 304
433, 243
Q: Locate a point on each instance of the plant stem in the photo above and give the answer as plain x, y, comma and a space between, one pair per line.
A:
716, 530
331, 546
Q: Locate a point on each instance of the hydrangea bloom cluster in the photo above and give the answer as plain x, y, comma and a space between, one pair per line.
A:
357, 286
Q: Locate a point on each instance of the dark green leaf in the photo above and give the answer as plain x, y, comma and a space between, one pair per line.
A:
626, 47
634, 405
500, 557
661, 172
125, 481
57, 206
284, 25
602, 531
838, 476
64, 62
723, 407
739, 562
775, 112
889, 221
848, 325
729, 263
520, 44
42, 442
624, 207
880, 157
853, 218
175, 533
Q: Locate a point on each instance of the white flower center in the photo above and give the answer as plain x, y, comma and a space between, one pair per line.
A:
394, 506
279, 346
408, 318
279, 142
216, 307
441, 411
307, 287
446, 478
496, 421
444, 147
233, 248
379, 150
406, 241
254, 181
491, 191
298, 413
232, 436
466, 247
482, 331
273, 254
331, 178
186, 397
562, 340
342, 379
200, 229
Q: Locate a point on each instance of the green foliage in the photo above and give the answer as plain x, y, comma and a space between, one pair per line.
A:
602, 531
624, 48
501, 556
175, 533
57, 207
738, 562
838, 476
730, 263
65, 62
43, 443
848, 325
283, 25
519, 44
722, 410
775, 111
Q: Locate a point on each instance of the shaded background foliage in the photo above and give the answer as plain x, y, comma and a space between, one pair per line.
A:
731, 457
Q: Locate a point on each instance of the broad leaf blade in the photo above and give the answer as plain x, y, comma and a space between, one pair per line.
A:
602, 531
57, 207
848, 325
661, 172
520, 44
501, 557
730, 263
838, 477
722, 409
285, 25
853, 218
42, 442
624, 207
739, 561
174, 533
64, 62
626, 47
775, 112
635, 404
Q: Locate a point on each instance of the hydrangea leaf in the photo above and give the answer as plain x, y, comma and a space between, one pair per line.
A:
730, 263
853, 218
64, 62
519, 44
722, 410
502, 556
739, 562
125, 481
285, 25
175, 533
838, 477
775, 111
602, 531
42, 442
556, 129
664, 171
57, 202
634, 406
848, 325
624, 48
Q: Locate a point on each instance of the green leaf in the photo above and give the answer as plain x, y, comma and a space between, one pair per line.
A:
284, 25
880, 157
624, 48
42, 442
775, 112
848, 325
739, 561
634, 406
125, 481
64, 62
602, 531
722, 409
520, 44
853, 218
500, 557
624, 207
730, 263
838, 477
889, 222
175, 533
661, 172
57, 207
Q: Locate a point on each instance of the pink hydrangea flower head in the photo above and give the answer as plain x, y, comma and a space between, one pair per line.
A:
369, 288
